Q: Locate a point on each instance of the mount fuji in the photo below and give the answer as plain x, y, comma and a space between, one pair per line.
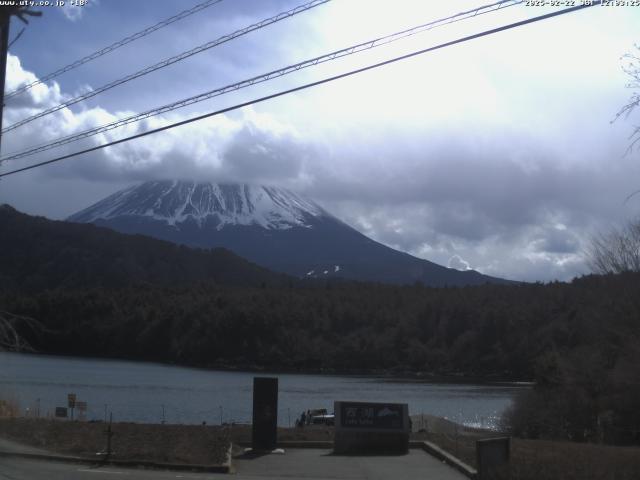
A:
272, 227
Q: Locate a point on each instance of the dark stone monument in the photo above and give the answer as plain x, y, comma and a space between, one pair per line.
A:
366, 427
265, 413
492, 455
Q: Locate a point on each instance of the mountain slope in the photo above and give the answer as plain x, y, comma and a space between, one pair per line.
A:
272, 227
37, 254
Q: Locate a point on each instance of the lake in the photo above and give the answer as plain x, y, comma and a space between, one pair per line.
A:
144, 392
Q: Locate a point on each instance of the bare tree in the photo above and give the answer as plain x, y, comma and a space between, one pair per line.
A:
617, 251
10, 337
631, 67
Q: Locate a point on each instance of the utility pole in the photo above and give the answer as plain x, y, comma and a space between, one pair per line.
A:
5, 21
6, 12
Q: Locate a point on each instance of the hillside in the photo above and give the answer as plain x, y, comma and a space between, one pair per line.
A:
38, 254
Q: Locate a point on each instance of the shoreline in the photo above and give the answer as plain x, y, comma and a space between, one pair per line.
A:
404, 376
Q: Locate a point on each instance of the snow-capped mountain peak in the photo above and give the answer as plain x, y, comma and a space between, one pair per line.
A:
175, 202
270, 226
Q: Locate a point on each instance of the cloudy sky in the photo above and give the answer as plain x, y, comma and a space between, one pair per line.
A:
497, 154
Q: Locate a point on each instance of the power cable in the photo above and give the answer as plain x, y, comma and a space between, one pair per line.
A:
15, 39
170, 61
312, 84
265, 77
113, 46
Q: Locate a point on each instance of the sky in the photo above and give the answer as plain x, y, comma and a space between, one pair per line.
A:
498, 154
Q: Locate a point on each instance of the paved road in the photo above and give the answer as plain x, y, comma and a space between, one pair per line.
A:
23, 469
9, 446
309, 464
319, 464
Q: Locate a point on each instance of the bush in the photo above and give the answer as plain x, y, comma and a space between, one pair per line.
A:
580, 396
9, 407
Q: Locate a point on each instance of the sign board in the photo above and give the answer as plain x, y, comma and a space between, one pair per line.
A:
265, 413
81, 406
492, 455
72, 400
61, 412
371, 427
371, 415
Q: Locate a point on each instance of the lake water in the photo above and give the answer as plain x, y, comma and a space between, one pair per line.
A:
140, 392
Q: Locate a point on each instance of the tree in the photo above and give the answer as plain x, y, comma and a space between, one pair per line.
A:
617, 251
632, 69
10, 337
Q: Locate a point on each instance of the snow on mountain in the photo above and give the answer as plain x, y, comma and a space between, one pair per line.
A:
175, 202
271, 227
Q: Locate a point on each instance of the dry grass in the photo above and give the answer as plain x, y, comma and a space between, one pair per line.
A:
195, 444
547, 460
9, 407
538, 459
530, 459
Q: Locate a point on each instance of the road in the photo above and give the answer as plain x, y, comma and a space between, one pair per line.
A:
312, 464
23, 469
319, 464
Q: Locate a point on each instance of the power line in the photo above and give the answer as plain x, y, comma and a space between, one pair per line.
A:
266, 76
6, 12
15, 39
114, 46
170, 61
312, 84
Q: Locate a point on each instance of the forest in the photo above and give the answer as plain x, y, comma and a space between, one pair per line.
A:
579, 341
506, 332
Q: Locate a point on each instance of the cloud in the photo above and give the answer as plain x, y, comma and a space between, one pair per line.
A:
515, 251
72, 11
264, 150
37, 98
249, 148
557, 240
458, 263
244, 146
509, 187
